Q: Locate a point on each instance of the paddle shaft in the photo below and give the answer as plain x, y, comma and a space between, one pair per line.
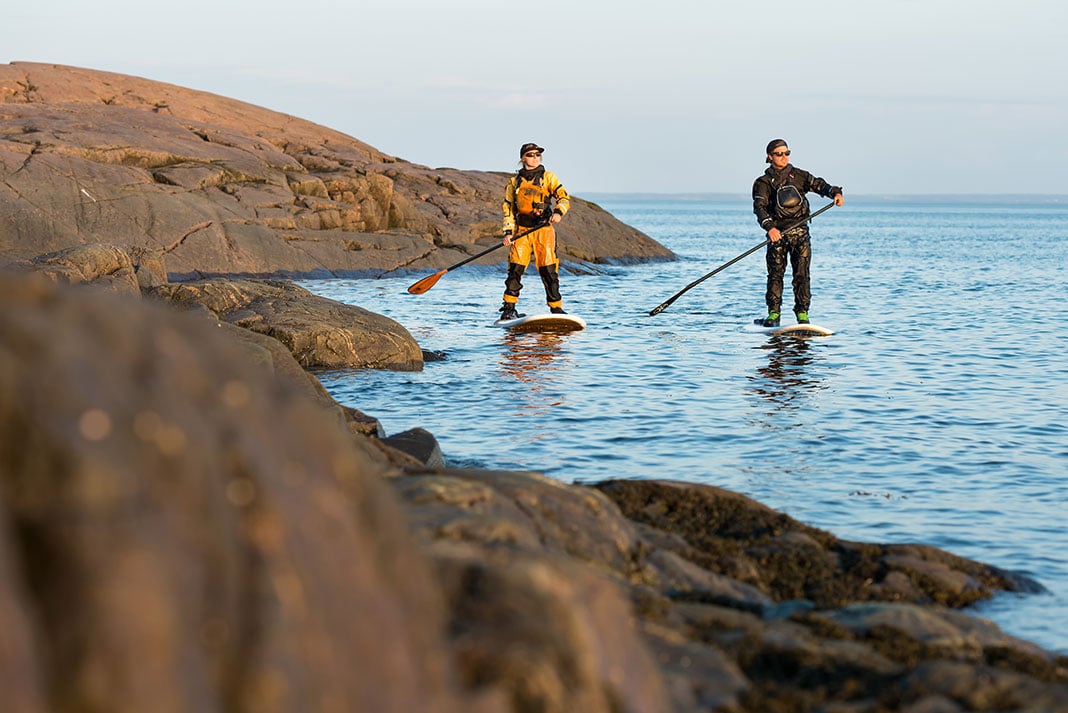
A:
490, 249
664, 305
427, 282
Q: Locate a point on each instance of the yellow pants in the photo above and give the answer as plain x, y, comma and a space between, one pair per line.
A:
542, 244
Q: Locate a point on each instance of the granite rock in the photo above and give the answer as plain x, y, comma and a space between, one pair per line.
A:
222, 187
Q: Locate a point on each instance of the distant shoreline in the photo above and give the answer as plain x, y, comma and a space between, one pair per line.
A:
969, 198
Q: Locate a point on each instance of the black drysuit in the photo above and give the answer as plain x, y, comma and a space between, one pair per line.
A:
778, 202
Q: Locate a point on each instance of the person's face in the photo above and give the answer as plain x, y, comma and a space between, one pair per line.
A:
780, 156
531, 159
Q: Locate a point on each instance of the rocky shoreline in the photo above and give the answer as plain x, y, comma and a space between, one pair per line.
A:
219, 187
186, 510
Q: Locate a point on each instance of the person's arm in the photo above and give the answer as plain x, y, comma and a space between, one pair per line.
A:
508, 223
825, 189
761, 200
559, 194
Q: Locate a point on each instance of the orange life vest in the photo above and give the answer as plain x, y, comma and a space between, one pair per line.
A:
531, 197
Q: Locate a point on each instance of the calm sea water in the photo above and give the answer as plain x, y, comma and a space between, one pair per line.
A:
937, 413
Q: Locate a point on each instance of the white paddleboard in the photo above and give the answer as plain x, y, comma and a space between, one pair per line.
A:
791, 330
543, 323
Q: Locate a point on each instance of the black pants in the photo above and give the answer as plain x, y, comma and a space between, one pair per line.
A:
796, 246
550, 278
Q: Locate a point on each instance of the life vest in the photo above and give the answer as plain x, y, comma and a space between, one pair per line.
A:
532, 200
789, 202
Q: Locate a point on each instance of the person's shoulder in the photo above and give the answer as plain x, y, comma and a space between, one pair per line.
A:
552, 181
511, 187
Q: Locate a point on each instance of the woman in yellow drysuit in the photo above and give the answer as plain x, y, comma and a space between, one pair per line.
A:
533, 197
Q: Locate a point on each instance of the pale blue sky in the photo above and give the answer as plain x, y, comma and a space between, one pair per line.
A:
902, 96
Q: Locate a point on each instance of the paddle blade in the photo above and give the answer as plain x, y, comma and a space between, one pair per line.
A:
426, 283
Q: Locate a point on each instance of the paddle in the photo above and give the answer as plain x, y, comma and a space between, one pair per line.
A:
664, 305
430, 280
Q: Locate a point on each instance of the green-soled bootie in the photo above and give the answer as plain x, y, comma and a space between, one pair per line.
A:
772, 320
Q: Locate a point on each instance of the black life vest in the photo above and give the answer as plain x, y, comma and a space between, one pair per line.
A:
789, 202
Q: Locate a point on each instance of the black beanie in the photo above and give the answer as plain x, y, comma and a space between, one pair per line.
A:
774, 144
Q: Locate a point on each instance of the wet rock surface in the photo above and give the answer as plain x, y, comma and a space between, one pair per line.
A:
743, 641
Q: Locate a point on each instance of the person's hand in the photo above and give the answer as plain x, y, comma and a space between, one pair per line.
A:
774, 235
507, 239
555, 218
839, 199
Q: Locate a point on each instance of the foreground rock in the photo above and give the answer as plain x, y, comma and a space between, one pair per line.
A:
188, 523
218, 186
185, 530
716, 582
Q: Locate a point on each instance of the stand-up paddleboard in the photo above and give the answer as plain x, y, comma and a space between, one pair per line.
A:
543, 323
791, 330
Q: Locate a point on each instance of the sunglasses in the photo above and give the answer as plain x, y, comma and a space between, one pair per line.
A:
532, 154
780, 153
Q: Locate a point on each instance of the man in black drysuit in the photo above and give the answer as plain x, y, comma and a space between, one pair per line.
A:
779, 201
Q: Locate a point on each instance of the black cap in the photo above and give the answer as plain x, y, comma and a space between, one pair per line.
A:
774, 144
529, 147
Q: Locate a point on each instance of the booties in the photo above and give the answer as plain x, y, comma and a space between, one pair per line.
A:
508, 312
772, 320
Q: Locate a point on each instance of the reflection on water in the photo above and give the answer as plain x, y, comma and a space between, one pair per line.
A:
788, 378
537, 363
784, 387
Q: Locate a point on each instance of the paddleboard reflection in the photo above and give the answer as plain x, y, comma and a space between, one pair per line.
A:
534, 367
791, 375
